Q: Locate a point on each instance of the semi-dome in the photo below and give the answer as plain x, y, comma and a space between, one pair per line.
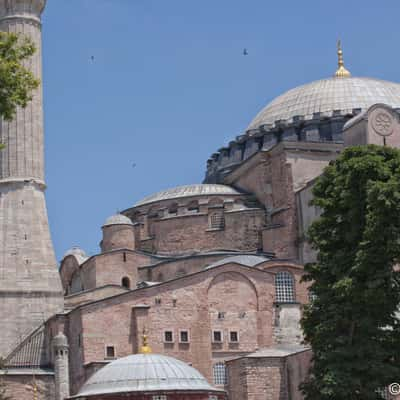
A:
145, 372
117, 219
188, 191
325, 96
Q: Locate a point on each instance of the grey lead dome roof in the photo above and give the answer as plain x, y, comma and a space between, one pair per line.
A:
326, 96
117, 219
145, 372
188, 191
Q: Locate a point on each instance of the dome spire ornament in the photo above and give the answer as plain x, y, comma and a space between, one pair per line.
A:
145, 349
341, 72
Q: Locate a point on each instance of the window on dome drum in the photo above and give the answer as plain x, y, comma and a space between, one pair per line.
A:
173, 209
168, 337
217, 336
219, 373
184, 336
126, 283
193, 207
110, 352
233, 336
284, 287
217, 221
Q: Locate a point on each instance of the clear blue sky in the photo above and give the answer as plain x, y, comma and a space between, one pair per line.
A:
169, 85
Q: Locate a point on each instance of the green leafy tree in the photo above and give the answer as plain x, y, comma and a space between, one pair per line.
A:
351, 323
16, 81
3, 395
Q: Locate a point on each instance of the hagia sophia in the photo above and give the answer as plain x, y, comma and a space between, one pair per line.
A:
196, 291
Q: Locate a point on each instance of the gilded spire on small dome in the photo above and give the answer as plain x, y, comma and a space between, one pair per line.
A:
341, 72
145, 349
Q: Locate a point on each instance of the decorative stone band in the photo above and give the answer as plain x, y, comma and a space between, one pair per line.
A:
26, 9
23, 182
322, 127
32, 294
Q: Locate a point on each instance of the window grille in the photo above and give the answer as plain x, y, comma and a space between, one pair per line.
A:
233, 336
184, 336
284, 287
168, 336
217, 221
217, 337
384, 393
219, 372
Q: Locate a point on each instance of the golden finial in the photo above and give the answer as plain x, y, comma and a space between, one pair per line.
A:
145, 349
341, 71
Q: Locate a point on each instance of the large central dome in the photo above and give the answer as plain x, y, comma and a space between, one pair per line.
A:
326, 96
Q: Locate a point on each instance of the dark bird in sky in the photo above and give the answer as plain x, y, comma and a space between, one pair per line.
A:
133, 165
92, 58
245, 53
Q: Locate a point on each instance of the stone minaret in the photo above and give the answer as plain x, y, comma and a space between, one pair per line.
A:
30, 286
61, 366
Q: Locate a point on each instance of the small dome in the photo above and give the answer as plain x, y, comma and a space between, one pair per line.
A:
328, 95
189, 191
78, 253
145, 372
118, 219
60, 340
247, 260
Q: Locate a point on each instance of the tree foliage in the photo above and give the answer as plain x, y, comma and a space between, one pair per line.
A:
351, 323
17, 82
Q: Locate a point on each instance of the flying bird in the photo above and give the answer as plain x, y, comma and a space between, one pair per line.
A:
245, 53
92, 58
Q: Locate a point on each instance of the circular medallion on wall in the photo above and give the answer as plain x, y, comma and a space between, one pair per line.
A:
383, 123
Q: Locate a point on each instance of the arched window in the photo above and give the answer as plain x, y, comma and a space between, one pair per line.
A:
193, 207
173, 209
126, 283
284, 287
219, 372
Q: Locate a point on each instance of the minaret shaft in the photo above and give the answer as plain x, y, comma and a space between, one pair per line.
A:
30, 287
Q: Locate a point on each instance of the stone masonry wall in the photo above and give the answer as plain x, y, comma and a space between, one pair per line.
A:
181, 304
21, 387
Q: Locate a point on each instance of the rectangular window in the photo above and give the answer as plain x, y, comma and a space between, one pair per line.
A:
183, 336
217, 336
168, 337
159, 397
233, 337
221, 315
217, 221
219, 372
110, 352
